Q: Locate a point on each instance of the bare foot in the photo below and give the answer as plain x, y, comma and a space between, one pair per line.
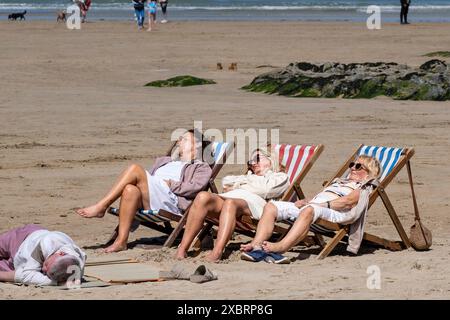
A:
273, 247
213, 257
116, 247
94, 211
149, 29
247, 247
180, 255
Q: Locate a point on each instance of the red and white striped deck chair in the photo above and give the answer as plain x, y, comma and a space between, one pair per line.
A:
297, 161
392, 160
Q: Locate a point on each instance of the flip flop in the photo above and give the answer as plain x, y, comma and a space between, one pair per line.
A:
254, 255
202, 274
277, 258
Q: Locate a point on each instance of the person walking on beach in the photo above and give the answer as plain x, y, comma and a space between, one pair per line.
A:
139, 10
163, 4
152, 7
404, 11
84, 7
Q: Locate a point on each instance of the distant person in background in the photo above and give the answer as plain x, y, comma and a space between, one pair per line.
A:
84, 7
139, 11
152, 8
404, 11
163, 4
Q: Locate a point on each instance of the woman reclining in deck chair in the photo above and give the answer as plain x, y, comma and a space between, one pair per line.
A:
334, 204
171, 185
243, 195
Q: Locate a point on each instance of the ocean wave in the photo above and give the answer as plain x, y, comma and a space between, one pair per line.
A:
128, 6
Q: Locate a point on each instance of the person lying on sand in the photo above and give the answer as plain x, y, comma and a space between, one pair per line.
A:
171, 185
333, 204
243, 195
34, 255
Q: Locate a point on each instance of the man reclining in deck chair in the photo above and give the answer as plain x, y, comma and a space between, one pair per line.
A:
171, 185
339, 203
33, 255
243, 195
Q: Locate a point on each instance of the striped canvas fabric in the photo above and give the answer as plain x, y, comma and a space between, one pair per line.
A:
388, 157
294, 158
219, 148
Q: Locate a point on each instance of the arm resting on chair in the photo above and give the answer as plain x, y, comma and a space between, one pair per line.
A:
344, 203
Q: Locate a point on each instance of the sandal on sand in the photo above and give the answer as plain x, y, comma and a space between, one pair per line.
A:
254, 255
277, 258
202, 274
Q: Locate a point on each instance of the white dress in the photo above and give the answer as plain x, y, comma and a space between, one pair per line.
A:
161, 197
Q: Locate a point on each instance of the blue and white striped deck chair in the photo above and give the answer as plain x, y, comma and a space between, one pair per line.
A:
161, 220
392, 160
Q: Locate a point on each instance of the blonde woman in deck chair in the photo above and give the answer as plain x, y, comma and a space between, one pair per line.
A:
171, 185
243, 195
334, 203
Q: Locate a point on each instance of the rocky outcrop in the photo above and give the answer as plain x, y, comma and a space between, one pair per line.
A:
180, 81
431, 81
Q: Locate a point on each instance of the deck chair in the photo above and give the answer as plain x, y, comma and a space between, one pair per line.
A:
162, 220
297, 161
392, 160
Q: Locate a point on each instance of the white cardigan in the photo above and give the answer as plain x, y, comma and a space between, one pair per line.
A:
255, 190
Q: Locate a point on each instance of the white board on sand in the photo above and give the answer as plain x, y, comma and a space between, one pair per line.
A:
123, 273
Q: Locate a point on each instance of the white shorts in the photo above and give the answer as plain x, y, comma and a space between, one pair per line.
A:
288, 211
161, 197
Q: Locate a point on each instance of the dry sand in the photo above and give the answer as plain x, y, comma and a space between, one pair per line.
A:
74, 113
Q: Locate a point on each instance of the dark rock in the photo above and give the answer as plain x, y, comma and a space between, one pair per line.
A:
431, 81
180, 81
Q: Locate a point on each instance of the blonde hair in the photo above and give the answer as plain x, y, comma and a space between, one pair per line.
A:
273, 156
372, 164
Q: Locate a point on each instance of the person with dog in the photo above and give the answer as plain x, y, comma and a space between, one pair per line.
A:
85, 5
34, 255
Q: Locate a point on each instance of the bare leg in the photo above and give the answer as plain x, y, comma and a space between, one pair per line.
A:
231, 209
129, 203
298, 231
134, 175
205, 203
265, 228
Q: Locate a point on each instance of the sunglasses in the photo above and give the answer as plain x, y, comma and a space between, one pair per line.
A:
256, 159
358, 166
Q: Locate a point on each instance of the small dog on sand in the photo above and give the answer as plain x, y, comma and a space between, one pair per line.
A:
17, 15
61, 16
233, 66
219, 66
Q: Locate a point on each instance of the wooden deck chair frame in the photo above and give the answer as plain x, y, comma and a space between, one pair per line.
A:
247, 225
162, 220
339, 231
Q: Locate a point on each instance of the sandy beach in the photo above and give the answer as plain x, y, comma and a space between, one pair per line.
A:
74, 113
